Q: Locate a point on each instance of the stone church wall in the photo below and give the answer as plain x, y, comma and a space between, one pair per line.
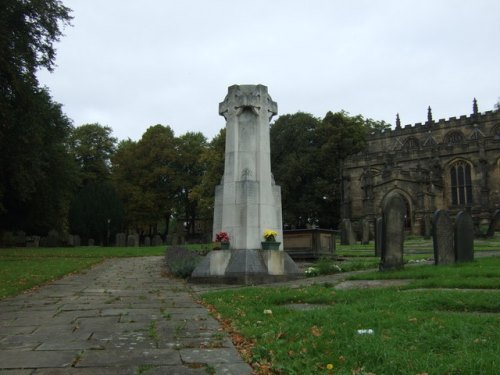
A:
451, 164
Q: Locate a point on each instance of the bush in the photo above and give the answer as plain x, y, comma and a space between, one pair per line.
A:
181, 261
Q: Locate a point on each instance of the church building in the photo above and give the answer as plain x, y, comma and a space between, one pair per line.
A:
451, 164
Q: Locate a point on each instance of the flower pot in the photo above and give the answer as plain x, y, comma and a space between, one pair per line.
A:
224, 245
268, 245
216, 245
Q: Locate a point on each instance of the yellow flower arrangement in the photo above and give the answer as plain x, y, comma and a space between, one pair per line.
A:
270, 235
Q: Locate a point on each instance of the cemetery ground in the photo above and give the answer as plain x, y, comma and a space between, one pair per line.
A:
425, 319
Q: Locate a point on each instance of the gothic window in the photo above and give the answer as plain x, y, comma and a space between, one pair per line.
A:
496, 133
411, 143
454, 138
461, 186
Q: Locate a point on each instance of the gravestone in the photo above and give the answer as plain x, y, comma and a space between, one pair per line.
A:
427, 227
76, 240
365, 236
32, 241
133, 240
494, 224
147, 241
121, 239
378, 237
442, 238
20, 238
347, 235
157, 241
91, 242
52, 239
464, 237
393, 219
71, 240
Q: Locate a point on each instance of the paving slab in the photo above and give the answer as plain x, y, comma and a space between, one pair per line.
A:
120, 317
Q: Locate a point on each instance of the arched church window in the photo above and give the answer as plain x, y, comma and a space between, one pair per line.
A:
411, 143
496, 133
461, 185
454, 138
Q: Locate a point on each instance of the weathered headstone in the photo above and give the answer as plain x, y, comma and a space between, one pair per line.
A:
442, 238
427, 227
52, 239
133, 240
378, 237
91, 242
20, 238
76, 240
365, 236
147, 241
121, 239
494, 224
347, 235
393, 219
157, 241
464, 237
33, 241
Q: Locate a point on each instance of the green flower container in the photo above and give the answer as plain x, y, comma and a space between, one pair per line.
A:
224, 245
268, 245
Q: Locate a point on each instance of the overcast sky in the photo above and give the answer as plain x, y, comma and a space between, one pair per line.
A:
132, 64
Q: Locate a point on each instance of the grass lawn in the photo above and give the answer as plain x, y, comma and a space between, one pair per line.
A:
25, 268
415, 331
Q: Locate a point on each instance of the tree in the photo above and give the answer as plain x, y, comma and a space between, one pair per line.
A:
189, 169
93, 146
97, 212
294, 148
145, 178
28, 31
36, 174
341, 135
212, 160
306, 158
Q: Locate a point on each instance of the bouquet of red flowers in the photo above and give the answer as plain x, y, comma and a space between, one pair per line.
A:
222, 237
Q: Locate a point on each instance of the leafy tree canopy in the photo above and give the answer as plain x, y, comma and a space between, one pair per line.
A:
93, 146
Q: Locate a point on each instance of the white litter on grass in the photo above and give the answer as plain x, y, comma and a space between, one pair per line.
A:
368, 331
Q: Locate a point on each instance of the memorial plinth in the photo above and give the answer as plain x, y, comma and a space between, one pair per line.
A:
247, 202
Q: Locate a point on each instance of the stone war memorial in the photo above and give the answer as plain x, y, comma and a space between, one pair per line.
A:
247, 201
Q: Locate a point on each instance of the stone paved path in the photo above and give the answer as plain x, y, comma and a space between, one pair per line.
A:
120, 317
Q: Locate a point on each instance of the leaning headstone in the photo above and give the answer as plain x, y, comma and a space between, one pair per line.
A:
365, 236
147, 241
121, 239
442, 238
464, 237
378, 237
157, 241
393, 220
494, 224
